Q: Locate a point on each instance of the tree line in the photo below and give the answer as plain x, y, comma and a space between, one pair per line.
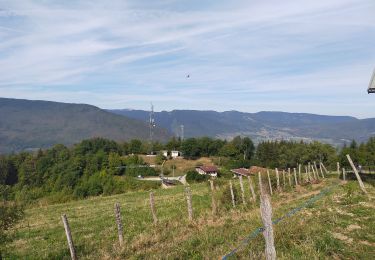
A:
100, 166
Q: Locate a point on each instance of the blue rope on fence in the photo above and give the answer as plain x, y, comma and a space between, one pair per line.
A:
259, 230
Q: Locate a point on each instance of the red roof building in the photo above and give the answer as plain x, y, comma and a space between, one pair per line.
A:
241, 172
256, 169
207, 170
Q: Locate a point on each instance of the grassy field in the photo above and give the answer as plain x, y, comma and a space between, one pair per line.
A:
338, 226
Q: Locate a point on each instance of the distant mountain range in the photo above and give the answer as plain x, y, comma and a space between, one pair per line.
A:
335, 130
26, 124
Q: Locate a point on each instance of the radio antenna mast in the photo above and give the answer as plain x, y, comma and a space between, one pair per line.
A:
152, 126
182, 132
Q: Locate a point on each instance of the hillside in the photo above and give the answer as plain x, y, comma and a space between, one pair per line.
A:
26, 124
262, 125
339, 225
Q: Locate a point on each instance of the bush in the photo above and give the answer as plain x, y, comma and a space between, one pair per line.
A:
107, 184
193, 176
226, 197
10, 214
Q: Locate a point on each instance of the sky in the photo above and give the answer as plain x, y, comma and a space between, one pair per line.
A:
254, 55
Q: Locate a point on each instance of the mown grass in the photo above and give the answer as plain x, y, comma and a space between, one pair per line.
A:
340, 225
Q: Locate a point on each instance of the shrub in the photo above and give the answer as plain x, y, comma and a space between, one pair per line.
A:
10, 214
226, 197
193, 176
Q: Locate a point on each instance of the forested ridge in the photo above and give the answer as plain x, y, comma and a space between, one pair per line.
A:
33, 124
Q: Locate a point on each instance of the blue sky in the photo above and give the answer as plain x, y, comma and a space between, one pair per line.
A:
291, 55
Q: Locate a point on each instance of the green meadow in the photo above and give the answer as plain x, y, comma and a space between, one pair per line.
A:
340, 225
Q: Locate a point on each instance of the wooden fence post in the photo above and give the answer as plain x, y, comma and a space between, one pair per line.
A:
321, 169
260, 183
251, 186
289, 178
361, 185
314, 174
242, 190
152, 205
189, 203
343, 174
316, 169
213, 198
284, 178
295, 176
277, 179
119, 223
69, 237
266, 214
299, 173
269, 182
325, 169
232, 194
338, 168
309, 169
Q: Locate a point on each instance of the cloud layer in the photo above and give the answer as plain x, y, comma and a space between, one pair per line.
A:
298, 56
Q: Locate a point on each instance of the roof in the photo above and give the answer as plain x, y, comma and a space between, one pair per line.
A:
208, 168
241, 171
168, 182
256, 169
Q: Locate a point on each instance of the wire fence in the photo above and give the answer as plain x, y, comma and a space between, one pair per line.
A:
292, 212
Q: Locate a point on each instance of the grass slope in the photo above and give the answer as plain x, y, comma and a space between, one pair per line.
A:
338, 226
35, 124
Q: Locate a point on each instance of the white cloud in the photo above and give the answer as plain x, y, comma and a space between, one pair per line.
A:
134, 51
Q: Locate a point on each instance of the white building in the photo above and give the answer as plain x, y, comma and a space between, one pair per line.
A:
207, 170
175, 154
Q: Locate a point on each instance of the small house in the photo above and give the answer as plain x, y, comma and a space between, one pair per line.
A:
240, 172
175, 154
207, 170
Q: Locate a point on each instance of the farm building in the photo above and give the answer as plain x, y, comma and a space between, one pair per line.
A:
240, 172
164, 153
175, 154
256, 169
207, 170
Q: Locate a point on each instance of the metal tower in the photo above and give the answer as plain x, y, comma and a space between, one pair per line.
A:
182, 132
152, 126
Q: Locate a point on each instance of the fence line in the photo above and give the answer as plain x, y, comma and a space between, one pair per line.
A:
188, 196
290, 213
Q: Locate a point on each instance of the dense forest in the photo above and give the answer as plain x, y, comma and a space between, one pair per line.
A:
100, 166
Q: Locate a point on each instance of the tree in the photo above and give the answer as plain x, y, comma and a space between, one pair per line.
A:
229, 150
247, 148
173, 144
190, 148
135, 146
114, 164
